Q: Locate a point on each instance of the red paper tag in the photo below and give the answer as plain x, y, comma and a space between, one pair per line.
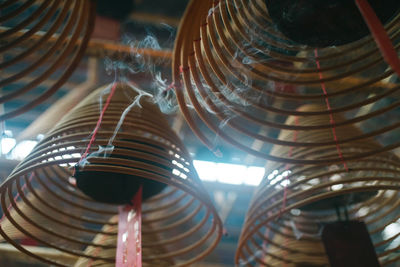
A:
348, 244
129, 246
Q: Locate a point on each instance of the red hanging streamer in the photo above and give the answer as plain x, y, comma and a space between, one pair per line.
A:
129, 245
379, 33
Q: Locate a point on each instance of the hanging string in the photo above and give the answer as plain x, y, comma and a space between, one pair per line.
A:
96, 129
380, 35
169, 87
328, 106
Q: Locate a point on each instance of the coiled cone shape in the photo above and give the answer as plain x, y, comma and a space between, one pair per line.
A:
243, 79
41, 44
294, 201
39, 201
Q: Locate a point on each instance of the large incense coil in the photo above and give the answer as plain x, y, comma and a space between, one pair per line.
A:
243, 79
294, 201
182, 217
70, 22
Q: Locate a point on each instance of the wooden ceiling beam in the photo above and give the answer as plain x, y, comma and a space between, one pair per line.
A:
149, 18
101, 48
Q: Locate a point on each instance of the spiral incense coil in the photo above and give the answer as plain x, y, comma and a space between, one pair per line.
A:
27, 65
238, 78
40, 202
294, 201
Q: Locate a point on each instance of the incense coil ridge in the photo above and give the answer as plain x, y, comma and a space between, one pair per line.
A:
299, 252
293, 202
180, 223
238, 78
40, 62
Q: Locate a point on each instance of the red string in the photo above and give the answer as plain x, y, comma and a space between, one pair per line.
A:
96, 129
380, 35
183, 69
172, 85
332, 121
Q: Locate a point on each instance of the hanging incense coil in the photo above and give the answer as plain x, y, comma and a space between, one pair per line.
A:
295, 201
242, 79
27, 65
180, 222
